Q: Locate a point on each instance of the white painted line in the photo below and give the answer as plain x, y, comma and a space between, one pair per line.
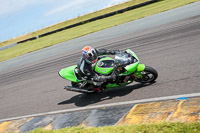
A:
106, 105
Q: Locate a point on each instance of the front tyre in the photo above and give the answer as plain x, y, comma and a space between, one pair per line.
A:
149, 75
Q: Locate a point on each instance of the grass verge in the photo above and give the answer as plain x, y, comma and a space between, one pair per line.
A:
177, 127
87, 28
73, 21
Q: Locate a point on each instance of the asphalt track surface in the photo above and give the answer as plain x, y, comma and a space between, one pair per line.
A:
173, 49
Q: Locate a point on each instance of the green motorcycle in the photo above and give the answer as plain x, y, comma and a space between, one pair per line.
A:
126, 66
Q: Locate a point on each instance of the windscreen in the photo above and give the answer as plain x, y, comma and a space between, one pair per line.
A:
121, 59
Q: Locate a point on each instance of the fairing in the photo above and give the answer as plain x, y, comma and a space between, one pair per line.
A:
101, 68
68, 73
132, 67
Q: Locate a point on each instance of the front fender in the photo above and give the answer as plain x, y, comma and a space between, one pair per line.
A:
141, 67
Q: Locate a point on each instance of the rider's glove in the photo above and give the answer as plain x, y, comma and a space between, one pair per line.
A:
104, 78
111, 77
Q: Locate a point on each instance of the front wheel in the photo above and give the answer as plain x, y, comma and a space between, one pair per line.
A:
149, 75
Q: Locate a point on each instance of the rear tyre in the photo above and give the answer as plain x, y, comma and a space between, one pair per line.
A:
149, 75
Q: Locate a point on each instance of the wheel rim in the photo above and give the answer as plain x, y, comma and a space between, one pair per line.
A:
147, 77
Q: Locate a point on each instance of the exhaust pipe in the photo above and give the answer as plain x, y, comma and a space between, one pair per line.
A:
71, 88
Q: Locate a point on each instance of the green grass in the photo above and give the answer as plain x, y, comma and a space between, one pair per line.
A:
87, 28
144, 128
73, 21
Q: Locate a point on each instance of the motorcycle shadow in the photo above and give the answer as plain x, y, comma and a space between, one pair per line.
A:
87, 99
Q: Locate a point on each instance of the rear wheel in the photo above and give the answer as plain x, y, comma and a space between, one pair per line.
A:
149, 75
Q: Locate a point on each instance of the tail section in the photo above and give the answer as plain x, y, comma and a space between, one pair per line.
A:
68, 73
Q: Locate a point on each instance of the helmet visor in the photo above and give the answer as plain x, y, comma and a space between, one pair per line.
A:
92, 56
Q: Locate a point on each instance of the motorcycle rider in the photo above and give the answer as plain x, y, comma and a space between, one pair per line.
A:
88, 61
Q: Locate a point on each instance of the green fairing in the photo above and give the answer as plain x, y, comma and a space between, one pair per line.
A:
131, 52
112, 85
131, 68
68, 73
116, 85
103, 70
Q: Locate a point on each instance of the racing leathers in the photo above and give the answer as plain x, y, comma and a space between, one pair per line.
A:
86, 68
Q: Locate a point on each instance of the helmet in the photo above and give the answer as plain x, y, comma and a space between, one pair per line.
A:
90, 54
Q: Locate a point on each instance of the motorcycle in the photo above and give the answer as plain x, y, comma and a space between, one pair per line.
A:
125, 65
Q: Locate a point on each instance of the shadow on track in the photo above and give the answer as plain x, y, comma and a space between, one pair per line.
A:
87, 99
